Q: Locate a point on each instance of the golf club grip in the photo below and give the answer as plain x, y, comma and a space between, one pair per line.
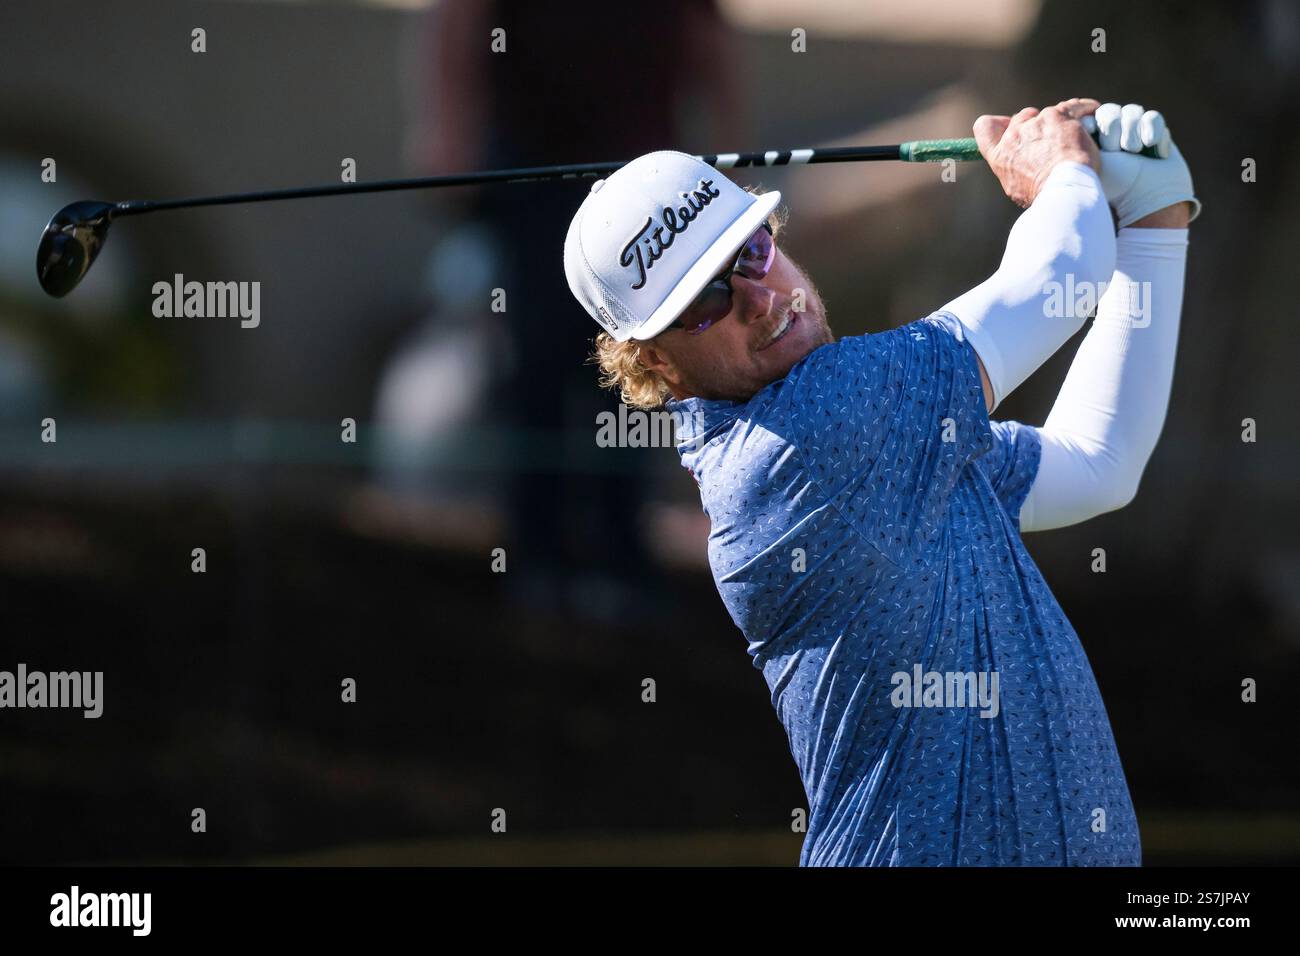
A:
962, 150
937, 150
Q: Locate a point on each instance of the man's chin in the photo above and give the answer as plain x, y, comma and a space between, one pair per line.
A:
814, 334
779, 365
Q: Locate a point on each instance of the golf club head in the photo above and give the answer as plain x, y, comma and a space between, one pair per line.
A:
70, 244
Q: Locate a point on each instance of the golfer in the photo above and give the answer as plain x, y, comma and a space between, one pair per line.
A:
865, 511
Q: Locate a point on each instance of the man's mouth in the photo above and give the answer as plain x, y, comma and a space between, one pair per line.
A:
782, 327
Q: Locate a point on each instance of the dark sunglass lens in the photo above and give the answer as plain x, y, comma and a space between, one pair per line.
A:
714, 302
711, 304
756, 256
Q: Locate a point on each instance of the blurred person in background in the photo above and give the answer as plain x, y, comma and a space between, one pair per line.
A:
614, 86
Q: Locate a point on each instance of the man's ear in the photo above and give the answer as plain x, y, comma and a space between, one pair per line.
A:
654, 359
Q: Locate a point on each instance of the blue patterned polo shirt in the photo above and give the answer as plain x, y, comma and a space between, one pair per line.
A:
865, 538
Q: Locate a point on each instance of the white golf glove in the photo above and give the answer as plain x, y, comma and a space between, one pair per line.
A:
1138, 185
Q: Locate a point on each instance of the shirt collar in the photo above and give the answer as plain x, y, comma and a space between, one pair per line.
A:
696, 420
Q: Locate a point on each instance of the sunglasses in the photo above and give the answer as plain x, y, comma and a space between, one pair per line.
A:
753, 261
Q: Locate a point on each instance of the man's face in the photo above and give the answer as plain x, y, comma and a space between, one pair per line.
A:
737, 356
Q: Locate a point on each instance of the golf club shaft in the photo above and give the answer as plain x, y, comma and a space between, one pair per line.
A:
917, 151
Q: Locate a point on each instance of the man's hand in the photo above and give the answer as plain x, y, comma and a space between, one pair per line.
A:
1022, 150
1144, 192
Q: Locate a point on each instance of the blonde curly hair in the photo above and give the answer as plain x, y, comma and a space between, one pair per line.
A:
620, 362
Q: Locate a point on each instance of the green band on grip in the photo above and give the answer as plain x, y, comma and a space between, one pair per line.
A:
937, 150
962, 150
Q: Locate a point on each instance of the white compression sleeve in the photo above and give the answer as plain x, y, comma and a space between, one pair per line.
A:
1018, 317
1111, 408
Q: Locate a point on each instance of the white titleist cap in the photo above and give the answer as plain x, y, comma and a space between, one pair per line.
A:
646, 240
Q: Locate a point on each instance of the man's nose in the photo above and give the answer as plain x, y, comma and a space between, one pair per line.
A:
753, 299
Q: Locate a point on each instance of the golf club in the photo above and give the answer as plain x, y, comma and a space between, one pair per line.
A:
77, 232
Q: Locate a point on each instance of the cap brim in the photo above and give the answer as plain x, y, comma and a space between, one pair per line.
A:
715, 259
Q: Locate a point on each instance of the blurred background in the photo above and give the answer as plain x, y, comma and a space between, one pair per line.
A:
475, 428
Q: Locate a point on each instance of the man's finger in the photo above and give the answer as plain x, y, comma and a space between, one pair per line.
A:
1165, 145
1151, 128
1028, 113
1078, 107
1130, 140
988, 130
1108, 126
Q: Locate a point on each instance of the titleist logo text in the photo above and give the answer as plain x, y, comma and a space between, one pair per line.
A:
648, 245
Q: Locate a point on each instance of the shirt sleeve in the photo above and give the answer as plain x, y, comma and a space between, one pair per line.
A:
1011, 464
886, 423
